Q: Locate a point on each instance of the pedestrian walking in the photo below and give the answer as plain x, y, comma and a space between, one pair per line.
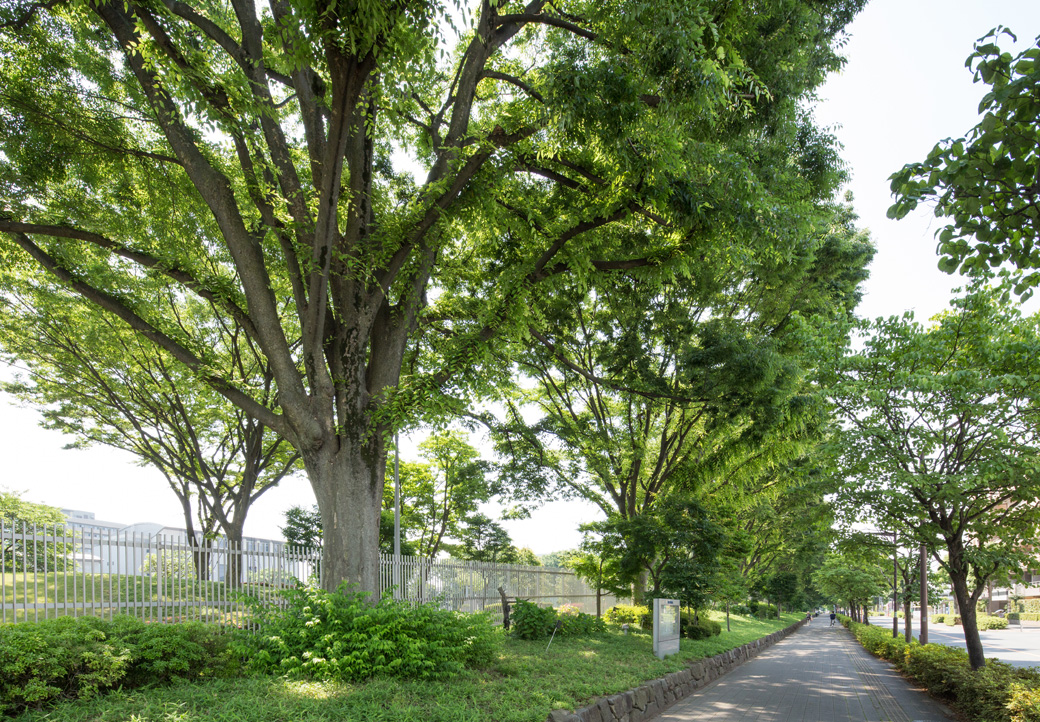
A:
833, 618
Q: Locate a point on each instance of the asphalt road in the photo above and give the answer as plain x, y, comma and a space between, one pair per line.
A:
1016, 646
819, 673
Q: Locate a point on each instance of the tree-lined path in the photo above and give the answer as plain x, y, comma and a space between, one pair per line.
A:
818, 673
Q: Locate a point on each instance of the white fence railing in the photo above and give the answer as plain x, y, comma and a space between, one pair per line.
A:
50, 571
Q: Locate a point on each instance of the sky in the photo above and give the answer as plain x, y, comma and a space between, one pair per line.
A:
904, 88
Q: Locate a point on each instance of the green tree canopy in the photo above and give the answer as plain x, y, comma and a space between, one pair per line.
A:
698, 388
245, 155
850, 580
20, 517
675, 547
96, 381
986, 184
939, 438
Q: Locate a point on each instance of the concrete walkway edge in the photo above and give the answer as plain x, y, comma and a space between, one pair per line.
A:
649, 700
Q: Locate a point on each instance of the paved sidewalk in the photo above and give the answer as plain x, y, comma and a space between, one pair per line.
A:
818, 674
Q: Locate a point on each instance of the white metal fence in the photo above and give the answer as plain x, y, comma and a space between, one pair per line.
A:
50, 571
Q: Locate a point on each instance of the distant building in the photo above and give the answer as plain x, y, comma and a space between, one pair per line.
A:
106, 547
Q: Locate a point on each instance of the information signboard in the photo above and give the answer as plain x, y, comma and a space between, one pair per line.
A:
666, 627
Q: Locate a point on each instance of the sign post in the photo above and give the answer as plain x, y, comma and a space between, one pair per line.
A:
666, 627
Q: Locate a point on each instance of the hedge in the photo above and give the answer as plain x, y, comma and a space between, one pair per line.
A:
67, 658
989, 621
996, 693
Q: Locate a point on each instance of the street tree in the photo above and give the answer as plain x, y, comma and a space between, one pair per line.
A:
21, 517
446, 498
246, 155
596, 563
483, 539
781, 517
939, 438
699, 387
96, 381
984, 185
675, 547
852, 581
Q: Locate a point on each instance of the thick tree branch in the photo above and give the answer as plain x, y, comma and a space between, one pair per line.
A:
180, 275
113, 305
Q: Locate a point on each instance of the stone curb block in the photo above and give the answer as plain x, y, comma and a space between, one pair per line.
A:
652, 698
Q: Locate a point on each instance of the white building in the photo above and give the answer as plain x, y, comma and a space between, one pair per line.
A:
105, 547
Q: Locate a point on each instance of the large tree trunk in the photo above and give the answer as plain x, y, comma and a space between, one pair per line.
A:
349, 489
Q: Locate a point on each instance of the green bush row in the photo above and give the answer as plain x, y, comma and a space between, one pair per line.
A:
1024, 616
996, 693
631, 614
989, 621
1029, 606
702, 628
69, 657
343, 636
529, 621
762, 611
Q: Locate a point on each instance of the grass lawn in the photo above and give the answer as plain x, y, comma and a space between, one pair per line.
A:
525, 684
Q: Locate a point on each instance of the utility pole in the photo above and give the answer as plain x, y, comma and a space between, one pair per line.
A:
922, 636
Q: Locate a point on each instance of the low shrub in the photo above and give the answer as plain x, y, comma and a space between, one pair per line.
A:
700, 628
938, 618
987, 621
631, 614
1023, 703
1025, 616
69, 657
952, 620
739, 609
763, 611
996, 693
576, 623
529, 621
940, 669
343, 636
986, 694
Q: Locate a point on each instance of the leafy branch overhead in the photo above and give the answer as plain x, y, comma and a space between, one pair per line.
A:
249, 156
986, 184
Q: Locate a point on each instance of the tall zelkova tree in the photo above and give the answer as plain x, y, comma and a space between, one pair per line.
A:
245, 154
699, 386
985, 185
98, 382
940, 439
